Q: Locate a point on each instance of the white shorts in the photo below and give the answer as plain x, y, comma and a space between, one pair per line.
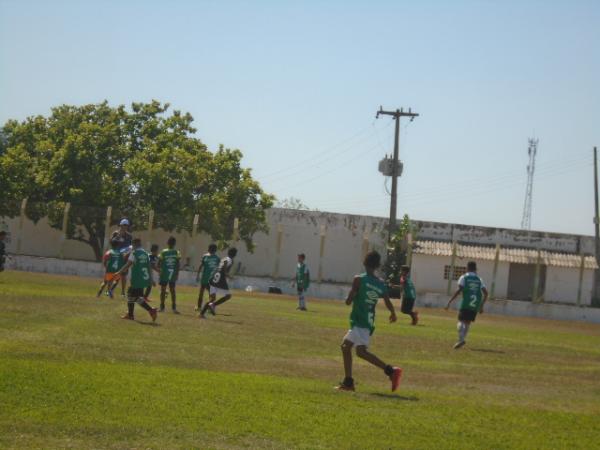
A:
219, 292
358, 336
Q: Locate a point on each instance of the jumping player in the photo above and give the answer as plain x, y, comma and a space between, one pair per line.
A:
113, 261
302, 281
169, 261
366, 290
139, 261
218, 284
208, 266
471, 286
154, 266
409, 295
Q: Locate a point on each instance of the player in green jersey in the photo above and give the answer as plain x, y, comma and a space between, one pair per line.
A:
366, 291
139, 261
169, 261
208, 266
302, 281
409, 295
113, 260
474, 294
154, 266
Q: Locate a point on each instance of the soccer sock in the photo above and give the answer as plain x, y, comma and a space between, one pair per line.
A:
467, 326
461, 331
163, 294
130, 306
220, 301
389, 370
140, 301
173, 300
348, 381
301, 301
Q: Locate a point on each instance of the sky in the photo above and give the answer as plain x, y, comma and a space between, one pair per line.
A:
296, 85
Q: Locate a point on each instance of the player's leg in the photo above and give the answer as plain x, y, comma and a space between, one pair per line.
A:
131, 299
147, 292
301, 300
348, 383
123, 283
140, 300
221, 300
209, 305
163, 295
173, 297
201, 297
393, 373
102, 286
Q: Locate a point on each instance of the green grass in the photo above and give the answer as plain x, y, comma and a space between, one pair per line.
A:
260, 375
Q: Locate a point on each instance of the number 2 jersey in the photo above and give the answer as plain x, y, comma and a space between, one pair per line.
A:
472, 297
219, 277
140, 270
371, 289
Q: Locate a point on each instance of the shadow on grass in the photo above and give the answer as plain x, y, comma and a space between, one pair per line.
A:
151, 324
488, 350
234, 322
397, 397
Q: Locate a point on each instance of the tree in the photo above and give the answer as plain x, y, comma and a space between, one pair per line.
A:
94, 156
291, 203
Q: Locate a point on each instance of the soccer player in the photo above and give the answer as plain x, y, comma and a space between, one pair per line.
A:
139, 261
169, 261
366, 290
113, 261
154, 266
208, 266
409, 295
474, 295
302, 281
218, 284
124, 238
2, 250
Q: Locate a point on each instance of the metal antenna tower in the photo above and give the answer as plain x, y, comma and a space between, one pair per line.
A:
532, 150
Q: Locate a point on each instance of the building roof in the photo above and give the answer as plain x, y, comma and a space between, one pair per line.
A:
511, 255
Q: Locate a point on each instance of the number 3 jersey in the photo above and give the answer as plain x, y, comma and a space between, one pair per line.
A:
219, 277
140, 270
370, 291
471, 285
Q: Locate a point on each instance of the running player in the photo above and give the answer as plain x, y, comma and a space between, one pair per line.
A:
472, 287
139, 261
154, 266
169, 261
366, 290
302, 281
113, 260
409, 295
218, 284
208, 266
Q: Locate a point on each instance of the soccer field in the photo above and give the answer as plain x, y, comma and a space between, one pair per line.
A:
261, 374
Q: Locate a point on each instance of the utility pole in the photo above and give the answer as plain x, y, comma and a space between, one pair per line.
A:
532, 151
395, 163
596, 228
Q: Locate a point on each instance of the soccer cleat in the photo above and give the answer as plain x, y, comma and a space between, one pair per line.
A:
459, 344
212, 308
196, 308
162, 309
127, 317
415, 318
175, 311
344, 387
153, 314
395, 377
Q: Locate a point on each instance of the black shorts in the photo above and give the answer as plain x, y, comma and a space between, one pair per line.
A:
205, 285
467, 315
407, 305
170, 283
300, 290
135, 292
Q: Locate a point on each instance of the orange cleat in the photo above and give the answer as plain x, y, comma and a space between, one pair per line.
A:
395, 377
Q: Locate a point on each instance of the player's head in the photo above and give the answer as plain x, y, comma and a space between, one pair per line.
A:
232, 252
171, 242
2, 235
301, 257
114, 244
472, 266
372, 260
137, 242
154, 248
124, 224
212, 249
405, 269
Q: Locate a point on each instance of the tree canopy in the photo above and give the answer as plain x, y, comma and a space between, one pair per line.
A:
136, 160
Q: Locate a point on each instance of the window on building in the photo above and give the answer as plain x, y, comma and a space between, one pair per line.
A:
458, 272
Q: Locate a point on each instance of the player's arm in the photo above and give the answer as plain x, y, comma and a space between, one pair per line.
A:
390, 307
485, 297
127, 265
200, 269
456, 294
177, 265
353, 291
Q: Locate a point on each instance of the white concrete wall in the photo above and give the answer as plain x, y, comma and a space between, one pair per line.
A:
562, 284
428, 274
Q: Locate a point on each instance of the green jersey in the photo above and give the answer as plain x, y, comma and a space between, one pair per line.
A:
114, 261
408, 288
140, 270
471, 286
370, 291
210, 263
169, 264
302, 276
